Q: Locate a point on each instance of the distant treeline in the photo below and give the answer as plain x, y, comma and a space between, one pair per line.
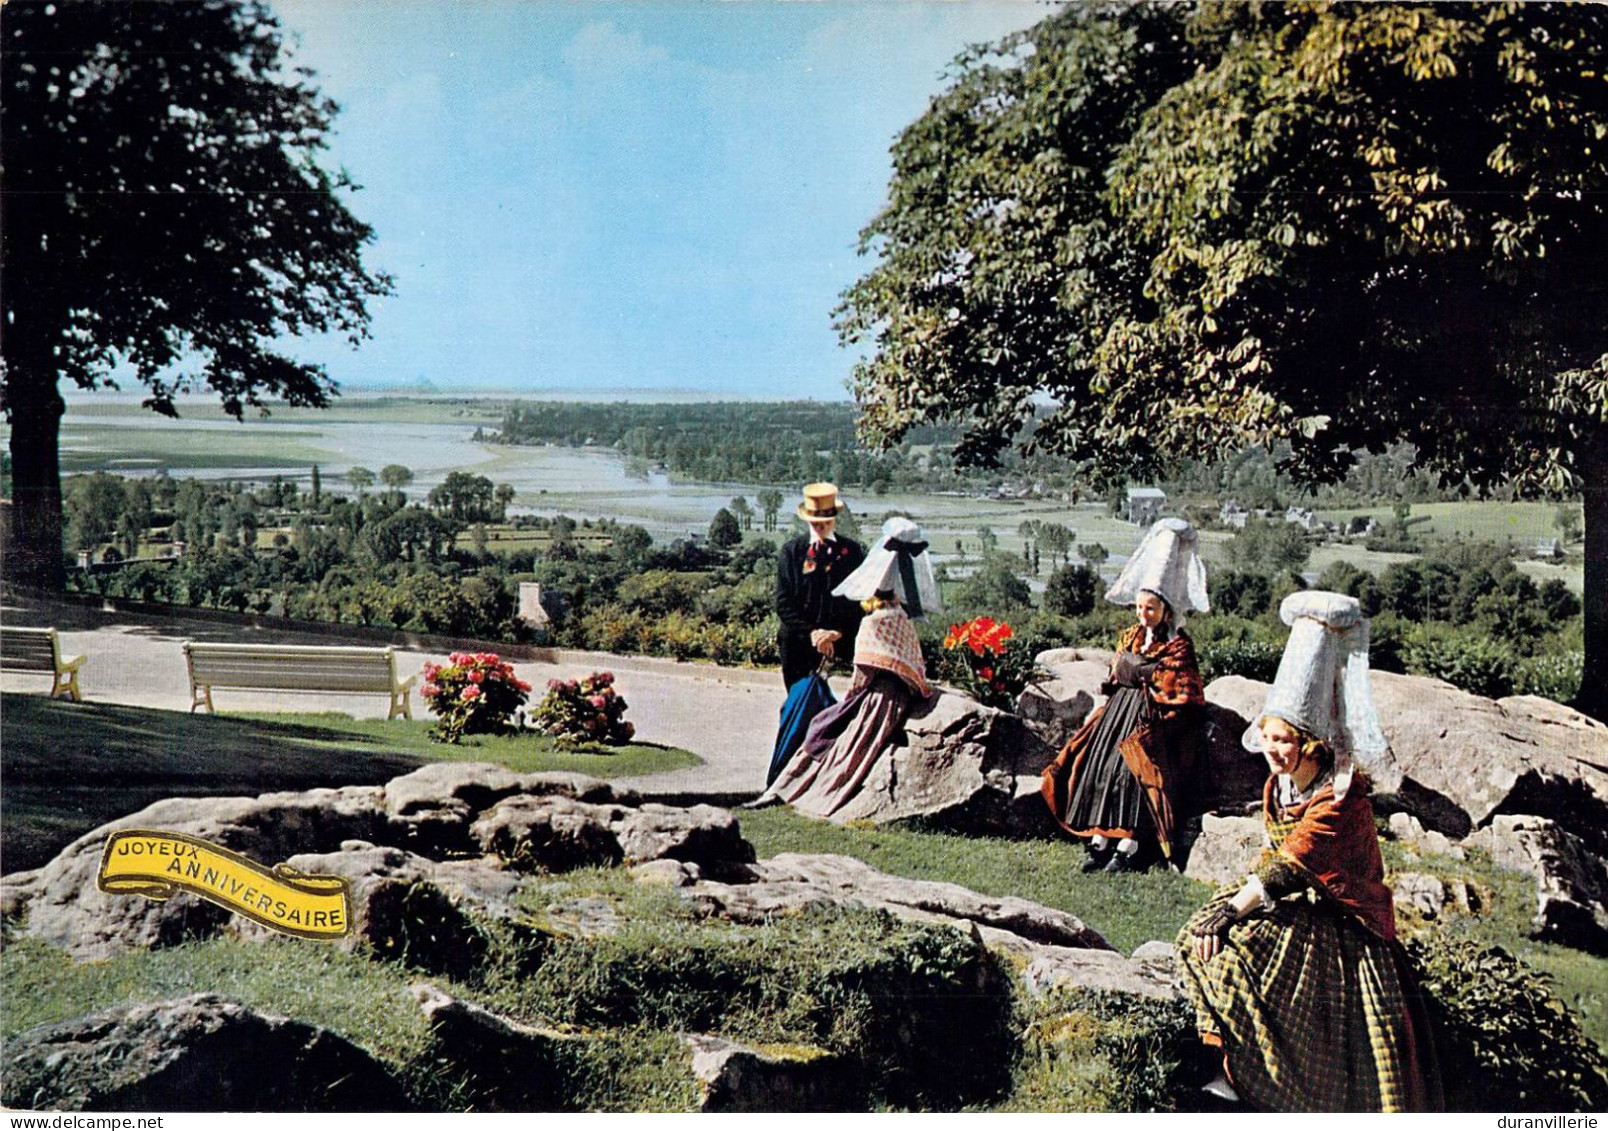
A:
790, 442
787, 442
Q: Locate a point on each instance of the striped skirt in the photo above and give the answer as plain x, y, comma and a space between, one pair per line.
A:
1312, 1011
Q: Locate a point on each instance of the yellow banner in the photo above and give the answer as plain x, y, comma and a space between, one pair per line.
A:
158, 864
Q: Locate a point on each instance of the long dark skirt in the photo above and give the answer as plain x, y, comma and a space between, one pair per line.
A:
843, 743
1103, 796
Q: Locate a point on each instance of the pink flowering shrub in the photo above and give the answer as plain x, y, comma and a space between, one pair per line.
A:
584, 710
475, 693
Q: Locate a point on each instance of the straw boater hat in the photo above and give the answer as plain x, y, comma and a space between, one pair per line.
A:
1322, 687
820, 502
898, 563
1165, 563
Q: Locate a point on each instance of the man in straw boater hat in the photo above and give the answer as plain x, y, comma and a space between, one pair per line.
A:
815, 624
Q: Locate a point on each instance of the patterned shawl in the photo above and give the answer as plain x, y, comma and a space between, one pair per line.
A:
1176, 680
887, 640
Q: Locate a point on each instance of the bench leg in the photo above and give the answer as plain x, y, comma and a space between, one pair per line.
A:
67, 688
200, 695
399, 703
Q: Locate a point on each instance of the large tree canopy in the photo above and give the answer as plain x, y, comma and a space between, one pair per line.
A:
1159, 230
165, 213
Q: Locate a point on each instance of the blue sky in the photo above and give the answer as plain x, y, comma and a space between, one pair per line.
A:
621, 195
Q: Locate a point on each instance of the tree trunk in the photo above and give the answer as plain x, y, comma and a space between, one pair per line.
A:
1593, 698
34, 556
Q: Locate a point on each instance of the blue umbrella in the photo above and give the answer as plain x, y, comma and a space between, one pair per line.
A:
807, 698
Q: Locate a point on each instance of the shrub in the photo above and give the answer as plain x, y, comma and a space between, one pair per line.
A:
1071, 591
584, 710
1251, 659
1555, 677
977, 658
1508, 1043
1473, 663
475, 693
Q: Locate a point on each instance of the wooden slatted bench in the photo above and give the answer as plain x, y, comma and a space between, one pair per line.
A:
293, 667
39, 650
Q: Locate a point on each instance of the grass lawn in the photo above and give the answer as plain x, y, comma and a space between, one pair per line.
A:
70, 767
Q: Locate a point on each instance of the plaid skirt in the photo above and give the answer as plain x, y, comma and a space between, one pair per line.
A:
1312, 1011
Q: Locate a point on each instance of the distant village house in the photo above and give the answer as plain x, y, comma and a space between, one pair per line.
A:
1145, 504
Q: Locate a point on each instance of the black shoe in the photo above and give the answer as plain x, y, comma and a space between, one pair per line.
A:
1095, 860
1123, 862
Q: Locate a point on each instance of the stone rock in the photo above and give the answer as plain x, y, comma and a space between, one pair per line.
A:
432, 808
804, 879
68, 911
1062, 701
1055, 967
509, 1066
738, 1077
16, 890
198, 1053
550, 833
1233, 776
669, 873
401, 909
1430, 895
959, 769
1465, 758
1225, 850
702, 835
1156, 950
1053, 657
1571, 882
1406, 828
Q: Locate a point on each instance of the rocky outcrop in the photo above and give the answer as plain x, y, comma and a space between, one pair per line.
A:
417, 850
1430, 896
961, 768
1465, 759
1225, 849
736, 1077
1571, 882
508, 1065
1062, 701
198, 1053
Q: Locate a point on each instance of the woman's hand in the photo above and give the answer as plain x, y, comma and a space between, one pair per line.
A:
824, 639
1209, 932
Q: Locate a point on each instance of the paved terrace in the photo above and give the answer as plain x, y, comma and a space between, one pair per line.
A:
727, 716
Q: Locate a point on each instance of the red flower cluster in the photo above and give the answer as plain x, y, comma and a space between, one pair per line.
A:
980, 634
473, 693
977, 660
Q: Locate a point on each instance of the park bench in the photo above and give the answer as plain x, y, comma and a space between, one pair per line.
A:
290, 667
39, 650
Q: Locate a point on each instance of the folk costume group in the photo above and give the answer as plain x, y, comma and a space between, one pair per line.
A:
1295, 975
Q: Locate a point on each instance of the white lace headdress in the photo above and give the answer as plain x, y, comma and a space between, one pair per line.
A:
1322, 687
898, 562
1166, 563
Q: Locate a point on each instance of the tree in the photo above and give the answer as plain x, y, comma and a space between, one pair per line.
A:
743, 511
395, 476
361, 479
464, 496
1071, 591
1269, 546
504, 494
723, 530
770, 501
1186, 229
166, 211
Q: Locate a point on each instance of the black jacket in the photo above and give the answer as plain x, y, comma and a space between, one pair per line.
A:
804, 598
